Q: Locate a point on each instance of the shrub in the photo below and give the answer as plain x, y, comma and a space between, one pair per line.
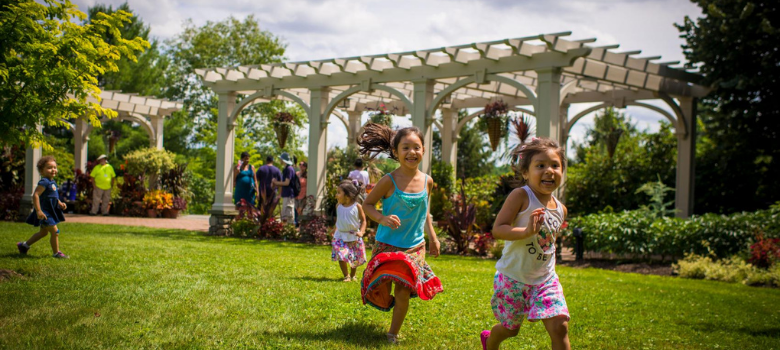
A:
150, 162
243, 227
765, 251
733, 269
314, 228
640, 235
9, 204
480, 191
460, 220
289, 232
131, 190
271, 228
482, 243
158, 199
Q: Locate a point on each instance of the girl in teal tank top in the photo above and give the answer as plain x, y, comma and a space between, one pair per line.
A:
399, 255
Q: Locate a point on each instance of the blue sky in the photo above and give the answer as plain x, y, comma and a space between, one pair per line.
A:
341, 28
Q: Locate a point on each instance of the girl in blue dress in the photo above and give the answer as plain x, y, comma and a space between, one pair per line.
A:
48, 209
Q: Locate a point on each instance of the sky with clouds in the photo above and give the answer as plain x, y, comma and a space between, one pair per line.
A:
342, 28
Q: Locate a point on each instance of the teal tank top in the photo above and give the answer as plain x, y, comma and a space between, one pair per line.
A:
412, 210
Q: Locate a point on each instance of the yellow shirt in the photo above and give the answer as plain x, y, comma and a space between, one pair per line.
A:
103, 175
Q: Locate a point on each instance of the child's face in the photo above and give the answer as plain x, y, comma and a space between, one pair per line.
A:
341, 197
49, 170
410, 151
545, 172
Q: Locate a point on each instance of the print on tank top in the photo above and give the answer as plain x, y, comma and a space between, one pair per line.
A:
545, 239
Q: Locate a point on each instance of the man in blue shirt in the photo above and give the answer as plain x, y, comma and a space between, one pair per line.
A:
266, 175
288, 199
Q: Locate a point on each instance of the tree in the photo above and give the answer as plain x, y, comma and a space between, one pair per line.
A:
735, 46
49, 66
473, 153
145, 75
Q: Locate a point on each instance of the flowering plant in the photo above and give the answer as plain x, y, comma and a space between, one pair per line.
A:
158, 199
496, 109
283, 117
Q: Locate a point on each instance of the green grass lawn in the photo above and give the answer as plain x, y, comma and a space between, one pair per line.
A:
141, 288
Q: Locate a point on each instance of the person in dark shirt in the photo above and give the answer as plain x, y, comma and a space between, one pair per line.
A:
266, 174
288, 199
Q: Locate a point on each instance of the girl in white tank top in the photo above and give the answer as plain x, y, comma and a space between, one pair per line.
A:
347, 245
525, 285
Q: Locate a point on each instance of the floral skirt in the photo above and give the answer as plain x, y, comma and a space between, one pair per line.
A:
353, 253
403, 266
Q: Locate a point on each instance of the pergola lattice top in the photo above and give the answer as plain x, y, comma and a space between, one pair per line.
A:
597, 72
132, 103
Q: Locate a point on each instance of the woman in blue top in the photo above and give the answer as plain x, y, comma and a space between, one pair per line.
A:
245, 181
399, 256
48, 209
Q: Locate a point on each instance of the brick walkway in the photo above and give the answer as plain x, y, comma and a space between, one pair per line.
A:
188, 222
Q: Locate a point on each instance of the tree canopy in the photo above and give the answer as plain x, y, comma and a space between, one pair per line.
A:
735, 44
49, 66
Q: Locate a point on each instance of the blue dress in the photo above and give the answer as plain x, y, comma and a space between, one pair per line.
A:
49, 205
245, 186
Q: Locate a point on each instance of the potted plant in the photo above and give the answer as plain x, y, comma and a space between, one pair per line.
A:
157, 200
282, 124
495, 117
178, 204
381, 115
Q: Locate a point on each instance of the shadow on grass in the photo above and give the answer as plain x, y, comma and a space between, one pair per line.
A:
365, 336
771, 332
317, 279
21, 256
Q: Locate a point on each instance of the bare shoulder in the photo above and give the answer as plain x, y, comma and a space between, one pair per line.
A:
518, 198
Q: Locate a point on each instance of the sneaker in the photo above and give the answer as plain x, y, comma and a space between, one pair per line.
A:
60, 255
484, 337
392, 338
23, 248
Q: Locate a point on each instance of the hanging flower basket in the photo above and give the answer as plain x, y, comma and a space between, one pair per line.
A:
282, 126
495, 130
495, 116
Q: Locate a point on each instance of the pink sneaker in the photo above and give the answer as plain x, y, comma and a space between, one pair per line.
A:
484, 337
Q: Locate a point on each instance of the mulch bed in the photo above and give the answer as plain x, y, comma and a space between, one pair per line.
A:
642, 268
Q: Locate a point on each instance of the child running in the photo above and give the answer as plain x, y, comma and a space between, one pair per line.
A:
526, 285
399, 255
48, 209
348, 248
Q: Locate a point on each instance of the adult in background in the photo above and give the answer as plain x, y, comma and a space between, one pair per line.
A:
300, 201
288, 200
361, 176
266, 174
104, 178
245, 181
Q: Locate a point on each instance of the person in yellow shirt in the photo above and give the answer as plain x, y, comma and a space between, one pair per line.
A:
104, 176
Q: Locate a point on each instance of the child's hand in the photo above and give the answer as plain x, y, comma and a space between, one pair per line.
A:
63, 206
434, 247
359, 234
41, 215
391, 221
535, 222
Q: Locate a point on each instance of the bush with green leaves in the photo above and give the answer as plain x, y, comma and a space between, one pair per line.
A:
150, 162
733, 269
480, 191
640, 235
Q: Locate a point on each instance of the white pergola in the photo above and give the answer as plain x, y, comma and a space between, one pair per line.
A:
149, 112
541, 75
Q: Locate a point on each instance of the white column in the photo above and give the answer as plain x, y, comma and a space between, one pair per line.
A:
686, 157
80, 139
449, 137
423, 95
31, 178
318, 142
354, 126
563, 122
548, 92
157, 126
226, 135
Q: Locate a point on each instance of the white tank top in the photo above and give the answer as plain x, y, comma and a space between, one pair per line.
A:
347, 219
532, 260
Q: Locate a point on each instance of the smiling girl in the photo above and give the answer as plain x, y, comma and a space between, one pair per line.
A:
399, 255
48, 209
526, 285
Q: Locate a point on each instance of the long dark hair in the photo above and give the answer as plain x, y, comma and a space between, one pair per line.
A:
305, 172
528, 150
379, 138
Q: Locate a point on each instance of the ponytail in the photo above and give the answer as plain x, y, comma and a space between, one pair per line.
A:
376, 139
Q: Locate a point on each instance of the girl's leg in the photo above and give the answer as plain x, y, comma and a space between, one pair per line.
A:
37, 236
54, 239
498, 334
558, 329
402, 296
352, 272
344, 271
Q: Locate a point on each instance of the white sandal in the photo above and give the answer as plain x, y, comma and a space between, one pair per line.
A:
392, 338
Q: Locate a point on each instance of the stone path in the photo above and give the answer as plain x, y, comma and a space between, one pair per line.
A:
188, 222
